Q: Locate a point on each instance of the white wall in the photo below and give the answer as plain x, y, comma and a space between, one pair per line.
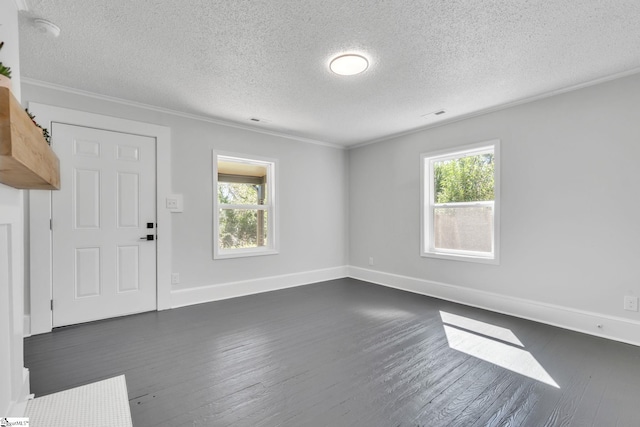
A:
14, 385
570, 233
312, 197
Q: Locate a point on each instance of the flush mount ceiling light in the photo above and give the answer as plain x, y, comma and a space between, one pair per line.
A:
349, 64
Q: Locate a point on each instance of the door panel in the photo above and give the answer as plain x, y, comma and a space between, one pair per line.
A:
87, 198
128, 268
101, 266
87, 279
128, 200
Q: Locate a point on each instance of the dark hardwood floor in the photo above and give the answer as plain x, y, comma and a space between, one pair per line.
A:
344, 353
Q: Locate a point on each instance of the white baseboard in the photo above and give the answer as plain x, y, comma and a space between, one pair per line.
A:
17, 409
605, 326
184, 297
597, 324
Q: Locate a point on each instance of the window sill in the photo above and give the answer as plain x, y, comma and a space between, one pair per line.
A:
243, 253
460, 257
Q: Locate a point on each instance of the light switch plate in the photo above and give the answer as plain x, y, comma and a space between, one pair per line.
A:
174, 203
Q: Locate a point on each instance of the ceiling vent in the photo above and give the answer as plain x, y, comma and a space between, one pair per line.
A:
259, 120
433, 114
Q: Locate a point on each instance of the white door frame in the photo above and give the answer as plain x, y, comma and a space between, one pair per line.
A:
40, 211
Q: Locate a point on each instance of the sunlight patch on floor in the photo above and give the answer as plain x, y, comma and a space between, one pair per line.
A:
384, 312
481, 328
477, 339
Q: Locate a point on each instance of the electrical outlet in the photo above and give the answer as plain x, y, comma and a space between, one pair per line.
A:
631, 303
370, 260
175, 278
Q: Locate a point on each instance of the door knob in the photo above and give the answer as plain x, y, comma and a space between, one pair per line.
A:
147, 237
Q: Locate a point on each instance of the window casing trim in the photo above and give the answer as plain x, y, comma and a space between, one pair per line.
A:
427, 159
271, 207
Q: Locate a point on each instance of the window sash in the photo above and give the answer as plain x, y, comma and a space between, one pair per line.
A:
463, 252
461, 154
244, 207
453, 156
464, 204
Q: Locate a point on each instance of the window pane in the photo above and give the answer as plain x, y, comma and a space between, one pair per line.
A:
241, 182
463, 228
464, 179
241, 168
240, 194
242, 228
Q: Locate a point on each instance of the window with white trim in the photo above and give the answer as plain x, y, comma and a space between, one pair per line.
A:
244, 207
460, 203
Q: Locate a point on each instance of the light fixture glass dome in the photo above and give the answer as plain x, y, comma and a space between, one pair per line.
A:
349, 64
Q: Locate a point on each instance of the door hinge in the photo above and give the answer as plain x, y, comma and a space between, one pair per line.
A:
51, 305
50, 224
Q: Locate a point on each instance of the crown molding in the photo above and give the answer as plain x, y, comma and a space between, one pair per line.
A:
501, 107
221, 122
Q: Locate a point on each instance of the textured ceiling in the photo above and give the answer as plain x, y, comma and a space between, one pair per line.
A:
237, 60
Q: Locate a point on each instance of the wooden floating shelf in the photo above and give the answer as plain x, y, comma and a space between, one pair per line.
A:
26, 160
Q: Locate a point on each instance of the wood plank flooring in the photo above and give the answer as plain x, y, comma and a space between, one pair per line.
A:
344, 353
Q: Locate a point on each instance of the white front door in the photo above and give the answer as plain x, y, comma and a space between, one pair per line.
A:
103, 266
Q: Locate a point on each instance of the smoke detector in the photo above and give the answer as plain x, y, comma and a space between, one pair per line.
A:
46, 26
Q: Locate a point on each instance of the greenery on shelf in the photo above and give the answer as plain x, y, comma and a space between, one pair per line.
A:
4, 70
45, 131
